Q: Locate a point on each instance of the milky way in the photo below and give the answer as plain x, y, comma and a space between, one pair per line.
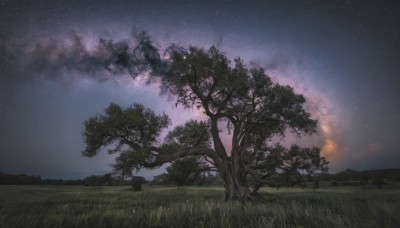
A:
64, 61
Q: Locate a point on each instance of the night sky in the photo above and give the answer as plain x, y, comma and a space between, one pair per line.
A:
344, 56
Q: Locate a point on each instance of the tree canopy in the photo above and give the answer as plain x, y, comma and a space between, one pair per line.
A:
131, 132
185, 171
243, 101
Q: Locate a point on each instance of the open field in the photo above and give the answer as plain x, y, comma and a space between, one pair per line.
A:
76, 206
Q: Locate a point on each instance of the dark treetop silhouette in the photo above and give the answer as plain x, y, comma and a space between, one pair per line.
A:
185, 171
245, 102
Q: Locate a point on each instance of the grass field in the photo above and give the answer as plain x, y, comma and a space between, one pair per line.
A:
76, 206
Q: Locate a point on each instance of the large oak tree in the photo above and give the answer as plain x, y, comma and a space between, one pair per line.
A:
243, 102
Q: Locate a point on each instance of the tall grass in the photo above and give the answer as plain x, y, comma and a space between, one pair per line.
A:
66, 206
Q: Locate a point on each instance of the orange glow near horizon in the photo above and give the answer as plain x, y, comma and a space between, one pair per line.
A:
321, 107
329, 147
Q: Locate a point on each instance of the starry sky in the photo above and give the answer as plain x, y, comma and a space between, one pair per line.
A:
344, 56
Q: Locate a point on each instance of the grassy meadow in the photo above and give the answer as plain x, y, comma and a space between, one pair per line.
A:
78, 206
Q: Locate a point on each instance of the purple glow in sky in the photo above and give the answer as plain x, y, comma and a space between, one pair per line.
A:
54, 72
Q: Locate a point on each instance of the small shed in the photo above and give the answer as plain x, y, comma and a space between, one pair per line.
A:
137, 182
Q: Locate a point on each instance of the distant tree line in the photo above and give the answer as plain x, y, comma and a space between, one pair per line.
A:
351, 177
99, 180
367, 175
21, 179
202, 179
175, 178
179, 174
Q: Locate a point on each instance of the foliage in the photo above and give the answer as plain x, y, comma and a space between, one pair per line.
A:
184, 171
19, 179
211, 179
161, 179
132, 131
243, 102
93, 180
348, 174
205, 179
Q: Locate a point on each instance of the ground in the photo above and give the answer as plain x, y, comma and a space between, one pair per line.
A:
78, 206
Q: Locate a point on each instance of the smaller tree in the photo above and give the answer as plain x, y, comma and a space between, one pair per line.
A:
185, 171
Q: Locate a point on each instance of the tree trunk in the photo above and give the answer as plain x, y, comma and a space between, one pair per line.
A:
230, 168
235, 185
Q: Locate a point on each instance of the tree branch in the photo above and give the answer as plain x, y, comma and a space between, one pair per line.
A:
164, 158
258, 178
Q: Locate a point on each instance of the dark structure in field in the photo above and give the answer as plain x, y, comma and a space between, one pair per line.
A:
137, 182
